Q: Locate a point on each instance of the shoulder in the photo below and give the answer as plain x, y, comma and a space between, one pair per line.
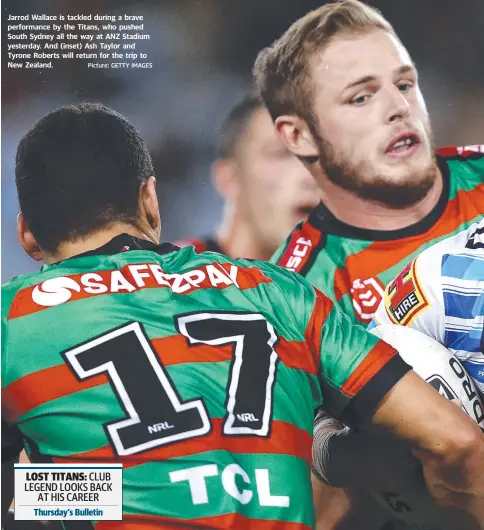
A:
287, 290
418, 294
11, 288
466, 162
200, 244
463, 152
468, 242
462, 257
301, 248
444, 257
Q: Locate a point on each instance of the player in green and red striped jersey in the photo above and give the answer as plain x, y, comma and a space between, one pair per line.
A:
198, 372
353, 265
266, 189
343, 92
366, 137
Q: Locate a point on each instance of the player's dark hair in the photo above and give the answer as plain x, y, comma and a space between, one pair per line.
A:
79, 169
234, 125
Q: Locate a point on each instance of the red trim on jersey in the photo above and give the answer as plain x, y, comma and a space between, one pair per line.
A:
285, 438
376, 359
199, 244
382, 255
464, 150
42, 386
297, 355
130, 278
234, 521
58, 381
322, 308
174, 350
298, 251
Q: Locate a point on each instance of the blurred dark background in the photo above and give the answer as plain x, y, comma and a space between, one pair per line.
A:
202, 53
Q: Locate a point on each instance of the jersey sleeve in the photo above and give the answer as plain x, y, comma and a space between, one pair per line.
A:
355, 369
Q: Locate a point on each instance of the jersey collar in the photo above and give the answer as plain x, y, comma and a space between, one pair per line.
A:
122, 243
322, 219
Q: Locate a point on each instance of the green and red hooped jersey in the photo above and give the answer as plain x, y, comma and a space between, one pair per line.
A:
198, 372
353, 266
201, 244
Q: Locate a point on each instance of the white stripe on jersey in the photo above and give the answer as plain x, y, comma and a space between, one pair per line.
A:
460, 283
465, 355
464, 323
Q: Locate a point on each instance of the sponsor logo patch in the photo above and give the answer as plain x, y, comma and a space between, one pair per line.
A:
404, 298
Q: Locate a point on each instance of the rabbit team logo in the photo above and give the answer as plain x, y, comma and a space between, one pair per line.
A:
366, 296
404, 298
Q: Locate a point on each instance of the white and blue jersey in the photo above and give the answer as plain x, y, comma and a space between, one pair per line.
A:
441, 294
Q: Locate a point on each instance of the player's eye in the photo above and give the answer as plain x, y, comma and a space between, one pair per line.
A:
360, 100
405, 86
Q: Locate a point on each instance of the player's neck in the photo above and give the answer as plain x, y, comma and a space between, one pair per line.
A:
236, 239
97, 239
361, 213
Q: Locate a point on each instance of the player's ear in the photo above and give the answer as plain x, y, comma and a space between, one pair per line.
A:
150, 210
224, 178
296, 136
27, 240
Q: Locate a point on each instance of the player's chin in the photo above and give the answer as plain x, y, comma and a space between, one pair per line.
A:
409, 170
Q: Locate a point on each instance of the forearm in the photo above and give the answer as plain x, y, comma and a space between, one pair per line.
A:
344, 509
345, 458
326, 430
449, 445
456, 483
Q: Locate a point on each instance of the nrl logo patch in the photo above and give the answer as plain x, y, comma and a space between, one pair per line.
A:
404, 297
366, 296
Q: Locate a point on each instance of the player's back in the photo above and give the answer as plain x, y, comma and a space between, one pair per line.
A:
166, 361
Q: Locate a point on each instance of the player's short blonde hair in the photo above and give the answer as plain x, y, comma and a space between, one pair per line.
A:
281, 71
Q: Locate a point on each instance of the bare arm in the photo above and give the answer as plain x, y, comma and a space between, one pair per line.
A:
345, 458
447, 442
345, 509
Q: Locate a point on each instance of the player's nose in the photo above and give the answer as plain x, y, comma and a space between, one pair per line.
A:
397, 106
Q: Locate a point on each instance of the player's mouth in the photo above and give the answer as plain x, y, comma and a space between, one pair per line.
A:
403, 145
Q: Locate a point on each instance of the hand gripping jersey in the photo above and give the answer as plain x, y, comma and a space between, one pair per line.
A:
198, 372
352, 266
441, 293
